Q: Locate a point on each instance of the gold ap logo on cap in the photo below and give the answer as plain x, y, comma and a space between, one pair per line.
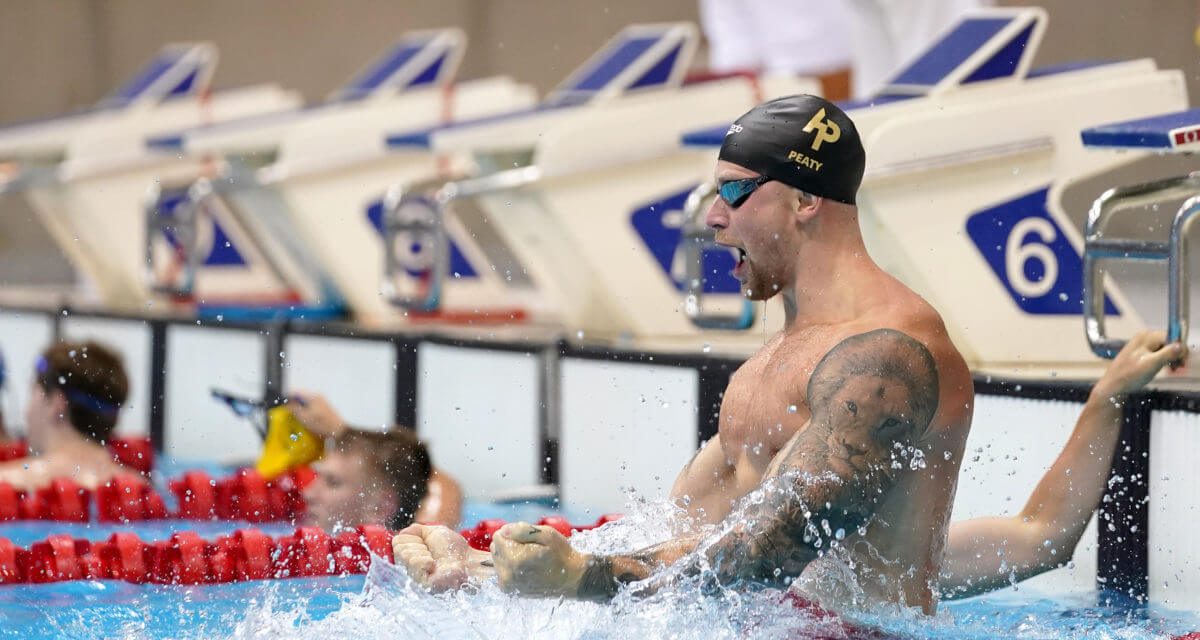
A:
827, 130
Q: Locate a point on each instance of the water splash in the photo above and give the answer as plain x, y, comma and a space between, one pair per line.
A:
386, 604
389, 606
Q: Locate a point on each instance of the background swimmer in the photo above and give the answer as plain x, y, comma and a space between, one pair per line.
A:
358, 463
368, 477
75, 400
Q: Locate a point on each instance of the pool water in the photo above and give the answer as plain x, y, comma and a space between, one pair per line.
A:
384, 605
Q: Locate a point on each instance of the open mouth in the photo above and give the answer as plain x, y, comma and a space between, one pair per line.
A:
739, 258
738, 254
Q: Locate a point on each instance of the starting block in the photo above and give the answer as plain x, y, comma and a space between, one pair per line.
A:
86, 175
290, 218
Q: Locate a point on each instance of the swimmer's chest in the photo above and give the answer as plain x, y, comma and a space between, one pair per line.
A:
766, 401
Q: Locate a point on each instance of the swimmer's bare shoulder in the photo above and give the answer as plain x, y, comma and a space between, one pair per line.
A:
872, 393
27, 474
915, 317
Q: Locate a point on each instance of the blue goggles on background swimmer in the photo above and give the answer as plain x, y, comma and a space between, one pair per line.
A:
77, 397
736, 192
251, 409
254, 411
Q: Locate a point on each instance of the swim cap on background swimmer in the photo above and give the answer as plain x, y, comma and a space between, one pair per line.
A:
803, 141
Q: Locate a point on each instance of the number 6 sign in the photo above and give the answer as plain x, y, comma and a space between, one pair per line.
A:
1019, 250
1030, 256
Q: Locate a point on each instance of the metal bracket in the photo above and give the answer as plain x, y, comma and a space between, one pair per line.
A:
694, 239
412, 218
419, 217
180, 225
1099, 249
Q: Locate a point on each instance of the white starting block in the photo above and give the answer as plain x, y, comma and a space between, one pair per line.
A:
1170, 133
177, 72
87, 174
968, 155
573, 219
304, 186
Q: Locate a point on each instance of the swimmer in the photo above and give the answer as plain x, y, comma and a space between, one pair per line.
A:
836, 429
989, 553
74, 403
357, 462
368, 477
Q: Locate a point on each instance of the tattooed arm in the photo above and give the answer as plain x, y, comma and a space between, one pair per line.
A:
870, 396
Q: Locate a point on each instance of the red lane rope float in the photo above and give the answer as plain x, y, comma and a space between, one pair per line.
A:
127, 498
186, 558
135, 453
13, 450
245, 495
480, 536
245, 554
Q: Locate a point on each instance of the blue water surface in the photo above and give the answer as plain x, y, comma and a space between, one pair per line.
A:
108, 609
383, 605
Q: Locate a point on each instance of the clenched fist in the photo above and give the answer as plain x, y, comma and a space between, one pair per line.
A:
537, 561
438, 558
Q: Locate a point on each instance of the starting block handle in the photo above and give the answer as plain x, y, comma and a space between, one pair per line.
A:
1098, 249
182, 225
1177, 327
695, 238
411, 217
420, 216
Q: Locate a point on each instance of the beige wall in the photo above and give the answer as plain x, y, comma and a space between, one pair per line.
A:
60, 54
47, 57
1123, 30
68, 53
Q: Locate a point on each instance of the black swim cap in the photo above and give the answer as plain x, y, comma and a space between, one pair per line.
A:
803, 141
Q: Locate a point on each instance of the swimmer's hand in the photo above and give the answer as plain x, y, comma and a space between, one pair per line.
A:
536, 561
1136, 365
316, 413
439, 558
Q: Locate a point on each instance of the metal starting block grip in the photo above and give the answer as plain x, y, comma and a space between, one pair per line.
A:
1099, 249
419, 218
178, 226
695, 239
414, 218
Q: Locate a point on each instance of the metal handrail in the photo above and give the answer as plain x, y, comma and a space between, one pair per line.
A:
421, 215
182, 225
1098, 249
1177, 328
694, 239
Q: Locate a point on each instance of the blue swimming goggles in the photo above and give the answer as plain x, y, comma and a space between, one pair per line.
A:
251, 409
735, 192
77, 397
